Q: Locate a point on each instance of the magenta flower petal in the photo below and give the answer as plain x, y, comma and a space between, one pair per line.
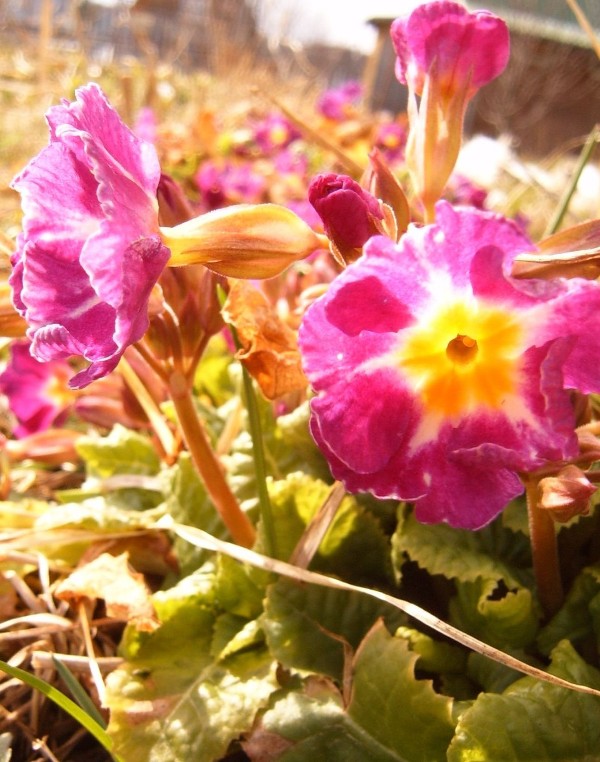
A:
460, 45
438, 378
90, 252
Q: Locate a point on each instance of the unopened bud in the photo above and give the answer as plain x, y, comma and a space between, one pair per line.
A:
567, 494
242, 241
350, 214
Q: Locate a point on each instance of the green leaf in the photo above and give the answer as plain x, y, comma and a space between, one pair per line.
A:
306, 626
454, 553
198, 723
534, 721
64, 702
187, 502
398, 711
495, 614
391, 717
354, 546
579, 617
121, 452
239, 589
434, 655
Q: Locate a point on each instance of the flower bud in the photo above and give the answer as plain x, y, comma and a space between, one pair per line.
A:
567, 494
242, 241
350, 214
173, 206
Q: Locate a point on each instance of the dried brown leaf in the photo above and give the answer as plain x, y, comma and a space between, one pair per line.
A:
111, 579
269, 348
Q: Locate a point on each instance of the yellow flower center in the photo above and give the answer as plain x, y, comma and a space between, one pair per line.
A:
464, 356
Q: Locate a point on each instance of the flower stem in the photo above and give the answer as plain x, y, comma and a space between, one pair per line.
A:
149, 406
260, 466
207, 464
544, 549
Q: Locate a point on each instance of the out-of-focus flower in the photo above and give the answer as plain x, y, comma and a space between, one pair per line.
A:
225, 184
37, 392
438, 377
274, 133
390, 138
90, 251
338, 102
466, 193
444, 55
350, 214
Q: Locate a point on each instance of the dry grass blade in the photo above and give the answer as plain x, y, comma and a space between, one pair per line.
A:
204, 540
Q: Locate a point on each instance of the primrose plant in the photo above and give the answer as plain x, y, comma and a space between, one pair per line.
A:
415, 352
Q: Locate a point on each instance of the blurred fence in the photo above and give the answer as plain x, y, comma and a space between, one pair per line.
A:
213, 35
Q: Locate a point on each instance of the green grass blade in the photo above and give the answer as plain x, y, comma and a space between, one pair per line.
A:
65, 703
78, 693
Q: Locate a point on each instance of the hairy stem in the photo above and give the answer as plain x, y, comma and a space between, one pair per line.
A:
207, 463
544, 549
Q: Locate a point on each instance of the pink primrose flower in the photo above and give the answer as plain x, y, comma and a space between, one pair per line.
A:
337, 102
37, 392
443, 39
226, 184
445, 54
90, 251
438, 377
274, 133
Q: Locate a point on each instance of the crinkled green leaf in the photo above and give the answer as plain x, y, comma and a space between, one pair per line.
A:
534, 721
391, 717
240, 589
218, 705
434, 655
397, 710
579, 617
287, 445
354, 546
306, 626
495, 614
187, 502
94, 514
233, 633
491, 675
172, 700
122, 451
454, 553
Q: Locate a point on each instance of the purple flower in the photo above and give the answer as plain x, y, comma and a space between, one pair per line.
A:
350, 214
37, 392
90, 251
273, 133
438, 377
337, 103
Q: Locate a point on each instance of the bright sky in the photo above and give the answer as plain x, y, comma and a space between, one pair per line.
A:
342, 22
